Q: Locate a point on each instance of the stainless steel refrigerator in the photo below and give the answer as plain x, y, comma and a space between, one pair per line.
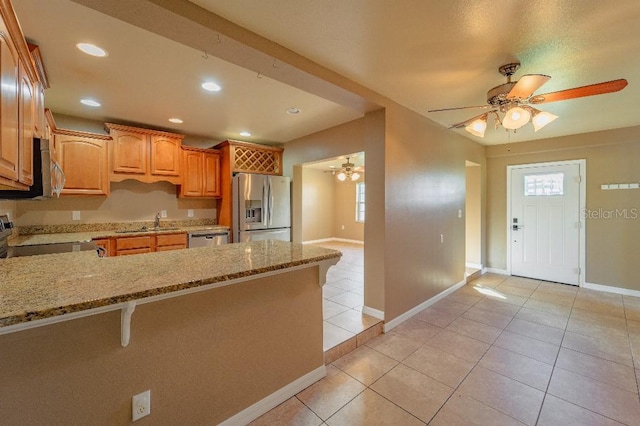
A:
261, 207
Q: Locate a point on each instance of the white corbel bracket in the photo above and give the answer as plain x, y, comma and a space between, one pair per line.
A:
125, 323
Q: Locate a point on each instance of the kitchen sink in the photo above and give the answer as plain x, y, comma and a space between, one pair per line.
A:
144, 229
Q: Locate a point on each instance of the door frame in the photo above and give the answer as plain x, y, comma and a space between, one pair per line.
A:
582, 196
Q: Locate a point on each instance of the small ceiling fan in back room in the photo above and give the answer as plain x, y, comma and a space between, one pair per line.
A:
515, 100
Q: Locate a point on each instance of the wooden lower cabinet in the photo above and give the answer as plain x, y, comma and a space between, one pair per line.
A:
124, 246
165, 242
105, 243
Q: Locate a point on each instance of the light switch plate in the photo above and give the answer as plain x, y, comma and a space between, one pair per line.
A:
75, 215
190, 213
163, 213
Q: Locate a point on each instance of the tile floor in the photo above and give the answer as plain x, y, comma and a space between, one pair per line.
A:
344, 296
499, 351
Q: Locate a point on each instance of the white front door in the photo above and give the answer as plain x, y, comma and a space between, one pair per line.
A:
544, 226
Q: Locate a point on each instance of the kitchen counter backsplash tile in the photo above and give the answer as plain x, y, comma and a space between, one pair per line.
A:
38, 287
109, 226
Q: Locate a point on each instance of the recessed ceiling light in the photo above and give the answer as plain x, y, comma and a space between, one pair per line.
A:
210, 86
92, 49
246, 134
293, 110
176, 120
90, 102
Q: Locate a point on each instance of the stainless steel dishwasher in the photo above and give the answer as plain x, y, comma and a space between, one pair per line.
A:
208, 237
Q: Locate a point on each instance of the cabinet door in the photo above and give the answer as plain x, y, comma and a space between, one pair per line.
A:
25, 127
211, 174
84, 162
105, 243
9, 88
165, 156
130, 152
192, 175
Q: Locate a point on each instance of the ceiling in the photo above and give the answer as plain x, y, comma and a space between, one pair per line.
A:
356, 158
423, 54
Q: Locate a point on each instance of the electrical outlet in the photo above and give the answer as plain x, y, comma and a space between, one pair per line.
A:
75, 215
163, 213
441, 238
141, 405
190, 213
459, 213
343, 227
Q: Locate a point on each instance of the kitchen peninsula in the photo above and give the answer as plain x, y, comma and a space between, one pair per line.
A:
216, 334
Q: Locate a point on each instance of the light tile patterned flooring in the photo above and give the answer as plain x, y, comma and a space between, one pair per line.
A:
499, 351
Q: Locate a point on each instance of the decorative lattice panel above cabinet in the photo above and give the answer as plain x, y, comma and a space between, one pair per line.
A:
246, 157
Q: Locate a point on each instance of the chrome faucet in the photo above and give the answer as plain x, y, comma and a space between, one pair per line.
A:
156, 223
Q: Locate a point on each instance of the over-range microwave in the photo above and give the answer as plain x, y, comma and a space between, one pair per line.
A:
48, 177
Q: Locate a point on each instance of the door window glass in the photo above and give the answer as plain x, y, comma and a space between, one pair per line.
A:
544, 184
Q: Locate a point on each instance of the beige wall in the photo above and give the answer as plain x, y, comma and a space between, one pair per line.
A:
318, 205
612, 157
327, 205
472, 214
129, 201
204, 357
425, 188
8, 207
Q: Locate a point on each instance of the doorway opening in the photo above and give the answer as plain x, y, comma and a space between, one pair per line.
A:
473, 221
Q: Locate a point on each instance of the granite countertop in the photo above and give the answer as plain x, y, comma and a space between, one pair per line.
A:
77, 237
45, 286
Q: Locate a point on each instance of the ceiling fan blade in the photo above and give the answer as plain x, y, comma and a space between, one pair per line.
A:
466, 122
527, 85
453, 109
579, 92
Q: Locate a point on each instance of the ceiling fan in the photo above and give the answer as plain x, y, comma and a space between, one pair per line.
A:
514, 99
348, 171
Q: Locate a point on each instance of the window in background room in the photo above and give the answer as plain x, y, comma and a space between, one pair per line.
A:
360, 202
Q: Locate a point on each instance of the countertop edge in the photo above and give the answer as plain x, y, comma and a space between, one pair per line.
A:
30, 319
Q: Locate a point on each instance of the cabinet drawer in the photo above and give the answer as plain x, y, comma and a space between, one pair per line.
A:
171, 240
173, 247
133, 243
133, 251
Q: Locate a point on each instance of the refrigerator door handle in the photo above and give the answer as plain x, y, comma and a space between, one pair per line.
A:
271, 202
265, 207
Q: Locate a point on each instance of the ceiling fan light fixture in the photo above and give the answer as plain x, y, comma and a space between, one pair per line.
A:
478, 126
355, 176
541, 119
515, 118
342, 176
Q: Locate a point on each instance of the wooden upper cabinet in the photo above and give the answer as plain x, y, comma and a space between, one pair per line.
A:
211, 174
165, 156
25, 120
84, 162
18, 79
39, 86
9, 91
129, 154
200, 173
143, 154
245, 157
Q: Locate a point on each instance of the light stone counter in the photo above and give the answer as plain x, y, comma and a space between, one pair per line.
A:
76, 237
46, 286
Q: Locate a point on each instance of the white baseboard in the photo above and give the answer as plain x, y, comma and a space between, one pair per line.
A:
328, 240
495, 271
611, 289
373, 312
251, 413
474, 265
402, 318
